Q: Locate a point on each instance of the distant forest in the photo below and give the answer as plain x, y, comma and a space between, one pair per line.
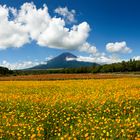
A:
5, 71
129, 66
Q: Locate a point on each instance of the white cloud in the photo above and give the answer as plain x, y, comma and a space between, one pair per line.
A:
21, 65
12, 34
35, 20
118, 47
100, 59
68, 15
57, 36
32, 24
13, 11
86, 47
136, 57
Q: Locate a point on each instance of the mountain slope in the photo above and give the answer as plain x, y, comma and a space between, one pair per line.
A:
61, 62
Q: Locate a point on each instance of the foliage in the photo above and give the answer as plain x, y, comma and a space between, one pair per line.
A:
52, 71
129, 66
5, 71
70, 109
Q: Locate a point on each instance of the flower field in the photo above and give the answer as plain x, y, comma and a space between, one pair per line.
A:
70, 109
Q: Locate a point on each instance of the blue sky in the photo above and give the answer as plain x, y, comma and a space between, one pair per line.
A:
109, 31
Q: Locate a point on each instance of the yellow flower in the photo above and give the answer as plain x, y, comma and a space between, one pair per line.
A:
86, 135
33, 136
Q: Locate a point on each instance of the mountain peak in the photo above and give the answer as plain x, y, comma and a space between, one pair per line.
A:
63, 56
67, 55
60, 61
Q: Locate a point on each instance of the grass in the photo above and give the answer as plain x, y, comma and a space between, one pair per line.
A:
70, 109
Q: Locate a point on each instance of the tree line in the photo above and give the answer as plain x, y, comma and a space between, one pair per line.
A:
5, 71
129, 66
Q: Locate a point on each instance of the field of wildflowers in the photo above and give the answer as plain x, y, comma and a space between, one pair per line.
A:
70, 109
